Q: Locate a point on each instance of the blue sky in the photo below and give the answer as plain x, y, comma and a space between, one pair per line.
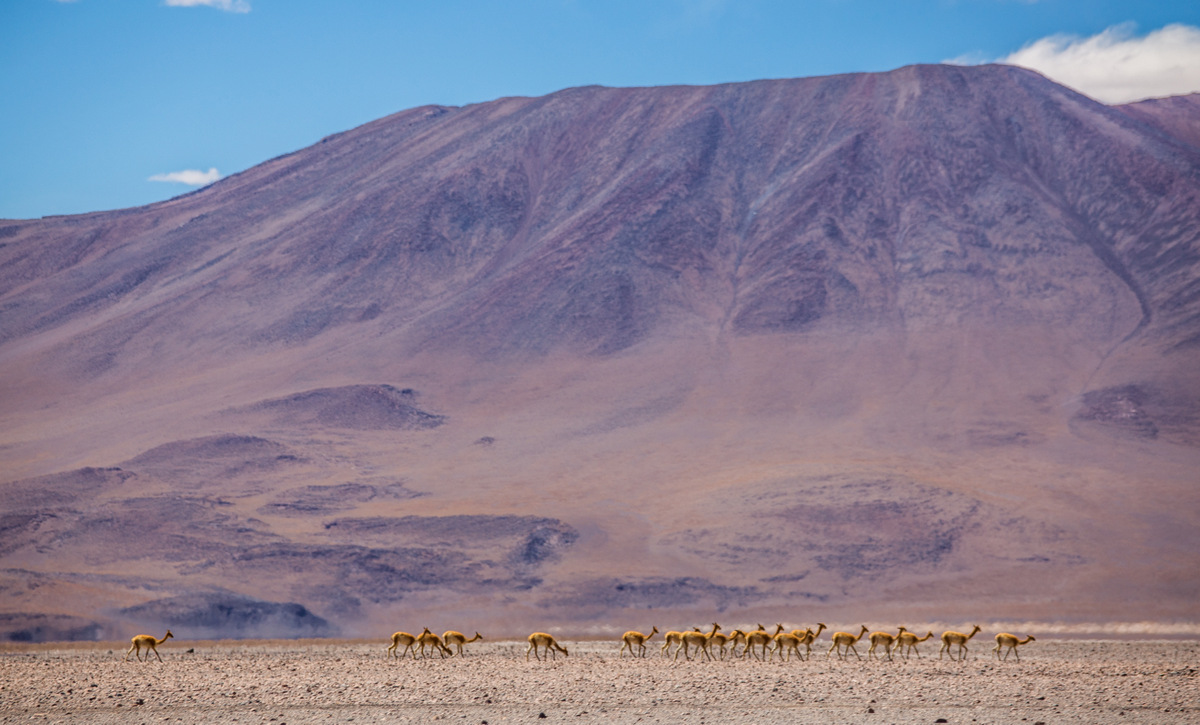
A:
102, 96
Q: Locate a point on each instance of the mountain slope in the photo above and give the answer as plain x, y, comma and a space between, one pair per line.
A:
1177, 116
830, 340
761, 206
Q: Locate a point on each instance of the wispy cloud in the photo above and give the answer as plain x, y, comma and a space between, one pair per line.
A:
191, 177
1117, 66
229, 6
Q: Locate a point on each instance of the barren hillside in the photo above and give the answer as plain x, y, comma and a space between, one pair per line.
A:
920, 343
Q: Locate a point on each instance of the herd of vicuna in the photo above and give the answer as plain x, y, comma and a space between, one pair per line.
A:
764, 645
758, 643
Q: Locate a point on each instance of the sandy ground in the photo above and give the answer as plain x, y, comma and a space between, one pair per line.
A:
1057, 681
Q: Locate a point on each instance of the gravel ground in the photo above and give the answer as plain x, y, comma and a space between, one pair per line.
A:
1057, 681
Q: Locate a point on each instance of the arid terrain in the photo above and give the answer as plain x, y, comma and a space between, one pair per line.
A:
1056, 681
921, 345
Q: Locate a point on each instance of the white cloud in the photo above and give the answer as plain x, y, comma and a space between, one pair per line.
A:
1116, 66
229, 6
191, 177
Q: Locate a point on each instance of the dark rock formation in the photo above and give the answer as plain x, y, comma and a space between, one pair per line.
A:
223, 615
37, 627
361, 407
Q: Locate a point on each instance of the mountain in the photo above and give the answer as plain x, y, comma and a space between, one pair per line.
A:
918, 345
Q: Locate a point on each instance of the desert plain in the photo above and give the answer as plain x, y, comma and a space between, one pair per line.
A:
341, 681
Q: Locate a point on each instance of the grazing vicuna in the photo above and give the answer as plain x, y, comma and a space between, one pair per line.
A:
886, 639
720, 641
434, 642
788, 642
670, 638
541, 639
696, 639
951, 637
458, 639
807, 637
1004, 639
149, 642
907, 641
402, 638
633, 638
847, 640
759, 638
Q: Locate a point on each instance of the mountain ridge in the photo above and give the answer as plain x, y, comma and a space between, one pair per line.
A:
338, 254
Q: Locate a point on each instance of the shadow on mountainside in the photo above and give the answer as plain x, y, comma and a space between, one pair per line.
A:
356, 407
225, 615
